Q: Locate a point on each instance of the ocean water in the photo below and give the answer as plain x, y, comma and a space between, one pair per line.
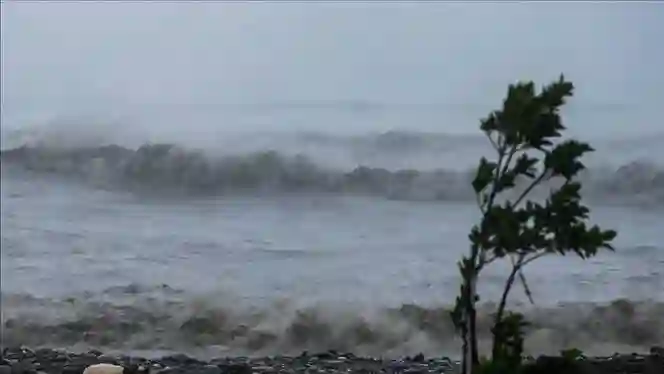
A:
268, 243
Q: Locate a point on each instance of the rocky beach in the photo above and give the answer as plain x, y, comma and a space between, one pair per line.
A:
23, 360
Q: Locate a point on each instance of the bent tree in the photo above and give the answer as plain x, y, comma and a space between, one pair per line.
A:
525, 135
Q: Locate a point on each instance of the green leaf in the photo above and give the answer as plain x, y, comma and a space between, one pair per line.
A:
490, 123
563, 160
525, 166
484, 175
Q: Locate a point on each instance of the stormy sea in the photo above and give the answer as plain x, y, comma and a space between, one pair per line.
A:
256, 243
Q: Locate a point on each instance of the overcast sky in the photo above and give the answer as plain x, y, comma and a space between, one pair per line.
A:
65, 58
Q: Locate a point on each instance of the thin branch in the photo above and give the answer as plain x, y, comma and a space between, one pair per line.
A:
512, 152
488, 204
508, 286
530, 187
470, 335
478, 197
526, 261
526, 288
493, 143
491, 259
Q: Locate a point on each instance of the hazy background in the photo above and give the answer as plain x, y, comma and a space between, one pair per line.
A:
175, 251
183, 68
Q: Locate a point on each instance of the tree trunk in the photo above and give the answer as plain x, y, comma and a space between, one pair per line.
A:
470, 349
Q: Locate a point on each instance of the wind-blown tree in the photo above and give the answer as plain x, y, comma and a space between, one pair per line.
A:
525, 135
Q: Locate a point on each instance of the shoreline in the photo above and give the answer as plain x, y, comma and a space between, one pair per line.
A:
23, 360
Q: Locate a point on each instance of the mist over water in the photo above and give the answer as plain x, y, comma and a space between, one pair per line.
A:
299, 185
263, 252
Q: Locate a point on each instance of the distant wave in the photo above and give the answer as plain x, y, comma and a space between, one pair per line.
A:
162, 318
173, 169
167, 167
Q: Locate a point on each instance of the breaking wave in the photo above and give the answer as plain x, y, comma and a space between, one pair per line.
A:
136, 318
173, 169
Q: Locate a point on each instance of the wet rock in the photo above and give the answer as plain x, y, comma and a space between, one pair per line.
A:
105, 359
654, 365
27, 352
73, 369
50, 362
23, 367
418, 358
83, 361
263, 369
210, 369
12, 353
398, 366
45, 354
657, 351
326, 355
235, 369
416, 371
50, 368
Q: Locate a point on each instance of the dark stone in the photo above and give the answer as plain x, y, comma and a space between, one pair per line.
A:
106, 359
418, 358
28, 353
657, 351
416, 371
23, 367
325, 355
209, 369
654, 364
235, 369
50, 368
364, 371
73, 368
45, 354
60, 357
12, 353
78, 364
398, 367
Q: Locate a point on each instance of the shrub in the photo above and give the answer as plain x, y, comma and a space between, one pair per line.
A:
525, 135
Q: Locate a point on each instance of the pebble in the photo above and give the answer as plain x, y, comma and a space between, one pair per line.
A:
236, 369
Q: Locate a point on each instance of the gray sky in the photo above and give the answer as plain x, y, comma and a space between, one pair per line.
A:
76, 58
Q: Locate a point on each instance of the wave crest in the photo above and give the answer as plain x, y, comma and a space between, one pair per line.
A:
168, 167
171, 320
